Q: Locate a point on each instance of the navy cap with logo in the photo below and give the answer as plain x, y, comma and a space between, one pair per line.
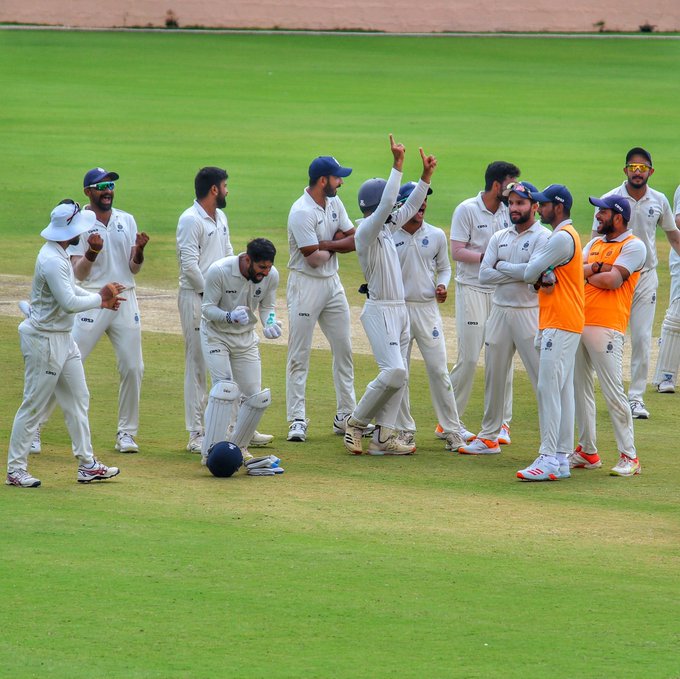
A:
407, 189
522, 189
327, 166
98, 174
555, 193
616, 203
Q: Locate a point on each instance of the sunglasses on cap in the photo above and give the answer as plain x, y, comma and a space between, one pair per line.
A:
638, 167
517, 187
102, 186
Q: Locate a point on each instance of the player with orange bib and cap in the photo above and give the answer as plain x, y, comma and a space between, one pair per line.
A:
611, 266
557, 270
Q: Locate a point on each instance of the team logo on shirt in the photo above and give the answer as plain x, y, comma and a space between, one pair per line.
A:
608, 253
119, 227
435, 332
525, 246
548, 345
651, 211
654, 298
230, 292
505, 225
425, 242
335, 215
136, 317
215, 351
401, 242
610, 347
482, 226
258, 292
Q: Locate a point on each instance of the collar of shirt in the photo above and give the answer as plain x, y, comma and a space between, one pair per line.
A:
203, 213
625, 193
619, 238
482, 206
561, 224
312, 203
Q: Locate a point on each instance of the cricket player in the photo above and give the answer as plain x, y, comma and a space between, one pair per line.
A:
202, 239
513, 321
557, 270
237, 290
473, 223
426, 273
611, 267
318, 230
669, 344
52, 363
648, 209
384, 317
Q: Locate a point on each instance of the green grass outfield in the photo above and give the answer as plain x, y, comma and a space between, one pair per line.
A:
430, 566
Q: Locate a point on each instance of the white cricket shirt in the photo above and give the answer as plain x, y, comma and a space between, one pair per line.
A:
474, 224
201, 240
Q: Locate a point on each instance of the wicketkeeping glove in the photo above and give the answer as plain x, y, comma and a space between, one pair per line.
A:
264, 466
239, 315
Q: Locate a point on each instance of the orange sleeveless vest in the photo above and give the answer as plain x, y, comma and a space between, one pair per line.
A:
564, 308
610, 308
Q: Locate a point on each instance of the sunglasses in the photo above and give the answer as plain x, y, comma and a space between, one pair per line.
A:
517, 187
638, 167
76, 210
102, 186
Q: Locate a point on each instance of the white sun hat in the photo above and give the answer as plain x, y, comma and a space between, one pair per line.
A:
68, 221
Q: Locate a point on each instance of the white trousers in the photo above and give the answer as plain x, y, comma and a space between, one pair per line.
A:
508, 329
555, 390
52, 366
195, 368
387, 328
640, 327
124, 330
310, 301
601, 350
473, 308
235, 357
425, 325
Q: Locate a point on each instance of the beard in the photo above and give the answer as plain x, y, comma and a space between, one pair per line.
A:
74, 241
104, 207
221, 202
329, 191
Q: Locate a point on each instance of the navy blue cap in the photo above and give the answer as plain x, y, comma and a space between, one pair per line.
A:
407, 189
522, 189
616, 203
99, 174
555, 193
639, 151
325, 166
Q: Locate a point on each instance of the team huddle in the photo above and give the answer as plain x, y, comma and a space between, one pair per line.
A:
522, 284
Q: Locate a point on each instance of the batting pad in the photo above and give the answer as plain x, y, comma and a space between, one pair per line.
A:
249, 416
669, 348
223, 397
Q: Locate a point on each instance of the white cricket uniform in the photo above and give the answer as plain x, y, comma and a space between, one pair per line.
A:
424, 260
601, 350
231, 349
474, 224
669, 342
652, 210
201, 241
384, 315
123, 327
315, 295
557, 347
513, 322
52, 363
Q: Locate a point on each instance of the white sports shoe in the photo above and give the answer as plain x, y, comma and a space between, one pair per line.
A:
297, 431
626, 466
36, 443
466, 434
260, 439
125, 443
195, 442
543, 468
340, 426
480, 446
353, 436
638, 410
390, 446
504, 437
666, 387
408, 438
454, 441
22, 479
97, 472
